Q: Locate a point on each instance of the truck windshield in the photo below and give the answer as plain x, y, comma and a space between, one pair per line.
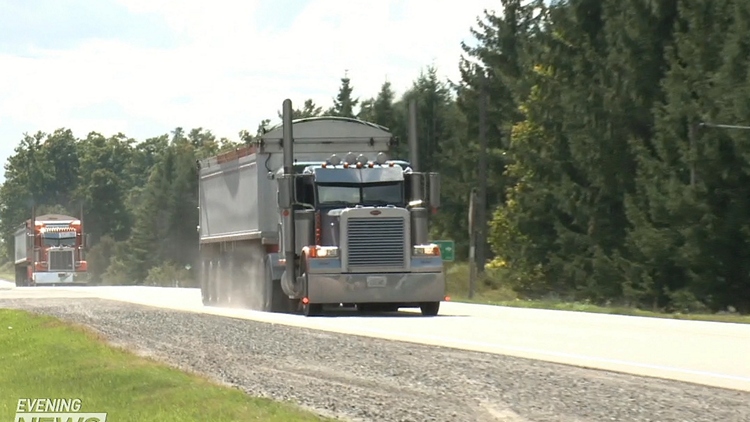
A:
56, 241
371, 194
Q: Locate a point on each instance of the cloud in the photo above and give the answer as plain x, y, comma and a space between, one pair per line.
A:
52, 24
228, 65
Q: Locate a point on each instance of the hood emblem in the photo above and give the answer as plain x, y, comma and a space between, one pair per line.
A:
375, 212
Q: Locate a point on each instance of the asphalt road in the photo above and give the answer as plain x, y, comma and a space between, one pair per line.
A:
707, 353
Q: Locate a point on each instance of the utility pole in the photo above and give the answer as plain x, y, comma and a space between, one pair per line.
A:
481, 204
472, 242
413, 139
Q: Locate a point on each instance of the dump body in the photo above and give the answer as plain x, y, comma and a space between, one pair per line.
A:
24, 245
237, 198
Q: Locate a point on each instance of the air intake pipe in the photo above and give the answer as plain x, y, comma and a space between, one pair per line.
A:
419, 213
286, 204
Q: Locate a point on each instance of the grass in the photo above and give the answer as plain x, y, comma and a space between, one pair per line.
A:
494, 292
7, 272
45, 358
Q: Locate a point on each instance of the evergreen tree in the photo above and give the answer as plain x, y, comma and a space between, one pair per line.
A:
344, 103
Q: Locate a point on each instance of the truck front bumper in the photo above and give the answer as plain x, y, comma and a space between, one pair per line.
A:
413, 287
54, 278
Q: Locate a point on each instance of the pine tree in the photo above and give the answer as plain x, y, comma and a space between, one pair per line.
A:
680, 198
344, 103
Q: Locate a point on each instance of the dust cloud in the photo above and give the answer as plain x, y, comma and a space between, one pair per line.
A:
238, 278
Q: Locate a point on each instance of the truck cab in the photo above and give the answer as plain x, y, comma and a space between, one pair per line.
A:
361, 226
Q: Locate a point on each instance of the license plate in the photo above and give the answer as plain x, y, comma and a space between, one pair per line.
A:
376, 281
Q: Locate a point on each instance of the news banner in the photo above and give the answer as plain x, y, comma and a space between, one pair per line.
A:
55, 410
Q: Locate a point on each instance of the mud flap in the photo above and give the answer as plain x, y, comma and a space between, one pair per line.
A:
280, 302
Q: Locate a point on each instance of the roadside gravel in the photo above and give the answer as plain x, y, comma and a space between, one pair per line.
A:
365, 379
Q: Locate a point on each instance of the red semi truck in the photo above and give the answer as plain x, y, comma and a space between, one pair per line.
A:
49, 251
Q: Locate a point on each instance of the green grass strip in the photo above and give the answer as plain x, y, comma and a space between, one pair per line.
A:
43, 357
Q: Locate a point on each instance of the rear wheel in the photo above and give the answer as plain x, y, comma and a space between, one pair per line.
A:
21, 276
430, 308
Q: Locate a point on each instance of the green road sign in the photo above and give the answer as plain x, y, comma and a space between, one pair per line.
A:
447, 249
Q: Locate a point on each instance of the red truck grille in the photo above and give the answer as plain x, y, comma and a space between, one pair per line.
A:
61, 261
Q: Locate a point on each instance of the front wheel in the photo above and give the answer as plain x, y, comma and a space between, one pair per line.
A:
430, 308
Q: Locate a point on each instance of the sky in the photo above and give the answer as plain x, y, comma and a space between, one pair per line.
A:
145, 67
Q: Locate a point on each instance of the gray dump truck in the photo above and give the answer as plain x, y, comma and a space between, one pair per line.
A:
314, 213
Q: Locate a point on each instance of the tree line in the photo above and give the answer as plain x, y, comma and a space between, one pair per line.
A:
608, 179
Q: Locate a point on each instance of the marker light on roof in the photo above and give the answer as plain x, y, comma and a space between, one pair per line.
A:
335, 160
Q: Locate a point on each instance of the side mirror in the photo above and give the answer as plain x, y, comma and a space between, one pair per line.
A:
286, 191
434, 198
415, 203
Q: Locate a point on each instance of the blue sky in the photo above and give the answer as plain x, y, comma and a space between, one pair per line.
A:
144, 67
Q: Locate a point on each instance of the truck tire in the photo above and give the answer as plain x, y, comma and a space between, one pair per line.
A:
20, 276
430, 308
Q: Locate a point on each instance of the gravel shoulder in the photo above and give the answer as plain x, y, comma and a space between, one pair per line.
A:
365, 379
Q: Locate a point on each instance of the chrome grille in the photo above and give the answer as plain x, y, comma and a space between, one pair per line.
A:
61, 261
376, 243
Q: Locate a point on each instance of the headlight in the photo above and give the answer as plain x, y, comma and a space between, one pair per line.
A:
429, 250
324, 252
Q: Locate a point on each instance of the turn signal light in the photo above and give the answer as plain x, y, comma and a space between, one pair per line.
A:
429, 250
322, 251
